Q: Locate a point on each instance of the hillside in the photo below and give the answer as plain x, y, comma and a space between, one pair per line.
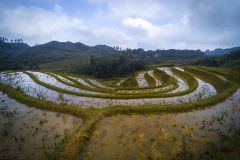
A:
231, 60
220, 51
20, 55
12, 48
68, 56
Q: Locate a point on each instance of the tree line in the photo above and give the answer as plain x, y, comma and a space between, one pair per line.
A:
16, 40
106, 66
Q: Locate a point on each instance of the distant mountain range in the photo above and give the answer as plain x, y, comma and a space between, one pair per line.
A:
220, 51
56, 55
54, 46
14, 55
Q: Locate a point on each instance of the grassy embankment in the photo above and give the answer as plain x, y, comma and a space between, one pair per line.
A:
185, 76
151, 81
162, 76
115, 96
117, 91
230, 74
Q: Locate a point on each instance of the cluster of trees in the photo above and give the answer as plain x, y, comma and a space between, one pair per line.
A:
117, 48
161, 56
17, 40
210, 61
106, 66
231, 59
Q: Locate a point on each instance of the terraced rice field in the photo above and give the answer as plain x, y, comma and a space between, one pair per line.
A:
84, 108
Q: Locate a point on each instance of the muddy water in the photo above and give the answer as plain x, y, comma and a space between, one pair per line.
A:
29, 133
25, 83
188, 135
142, 83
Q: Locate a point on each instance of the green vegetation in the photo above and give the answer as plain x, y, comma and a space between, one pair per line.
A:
76, 57
43, 104
231, 59
106, 62
128, 91
162, 76
106, 66
130, 81
190, 81
188, 78
232, 74
216, 81
72, 146
116, 89
151, 81
67, 64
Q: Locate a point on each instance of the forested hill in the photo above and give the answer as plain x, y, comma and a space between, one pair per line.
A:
220, 51
11, 47
20, 55
68, 56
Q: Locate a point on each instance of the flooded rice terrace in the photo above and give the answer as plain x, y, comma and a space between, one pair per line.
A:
165, 136
182, 84
158, 82
52, 81
29, 133
142, 83
30, 87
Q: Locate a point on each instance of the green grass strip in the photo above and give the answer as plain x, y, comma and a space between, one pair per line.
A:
20, 96
133, 96
219, 84
103, 90
114, 90
130, 82
151, 81
230, 74
162, 76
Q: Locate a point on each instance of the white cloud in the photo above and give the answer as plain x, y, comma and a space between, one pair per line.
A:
156, 36
134, 8
173, 24
178, 34
147, 24
141, 24
114, 37
39, 25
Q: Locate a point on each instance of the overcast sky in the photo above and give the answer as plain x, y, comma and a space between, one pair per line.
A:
148, 24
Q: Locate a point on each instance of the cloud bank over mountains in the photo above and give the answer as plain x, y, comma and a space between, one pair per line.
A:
152, 24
